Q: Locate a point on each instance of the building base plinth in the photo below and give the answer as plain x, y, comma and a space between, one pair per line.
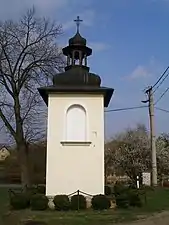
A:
51, 203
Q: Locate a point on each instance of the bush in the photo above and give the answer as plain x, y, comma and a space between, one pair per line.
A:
61, 202
166, 184
78, 202
107, 190
134, 198
31, 191
119, 189
121, 195
126, 197
132, 186
122, 200
19, 201
39, 202
35, 222
100, 202
147, 188
41, 189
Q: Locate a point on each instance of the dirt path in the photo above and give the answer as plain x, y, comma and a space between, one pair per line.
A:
160, 219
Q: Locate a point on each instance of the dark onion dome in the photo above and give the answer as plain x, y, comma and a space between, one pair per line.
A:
67, 51
77, 76
77, 40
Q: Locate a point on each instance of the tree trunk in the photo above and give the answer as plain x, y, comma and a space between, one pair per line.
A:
22, 145
24, 164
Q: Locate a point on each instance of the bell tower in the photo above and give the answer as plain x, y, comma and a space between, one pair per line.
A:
77, 51
75, 137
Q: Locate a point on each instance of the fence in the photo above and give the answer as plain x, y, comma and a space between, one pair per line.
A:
78, 192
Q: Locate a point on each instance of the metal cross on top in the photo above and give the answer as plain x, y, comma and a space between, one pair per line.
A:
78, 21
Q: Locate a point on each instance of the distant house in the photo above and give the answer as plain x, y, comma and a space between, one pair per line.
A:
4, 153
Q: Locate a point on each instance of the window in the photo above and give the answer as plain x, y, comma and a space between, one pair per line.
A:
76, 123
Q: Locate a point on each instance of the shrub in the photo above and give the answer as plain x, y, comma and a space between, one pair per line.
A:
33, 222
100, 202
31, 191
78, 202
128, 197
39, 202
132, 186
122, 200
119, 189
107, 190
147, 188
19, 200
166, 184
121, 195
134, 198
61, 202
41, 189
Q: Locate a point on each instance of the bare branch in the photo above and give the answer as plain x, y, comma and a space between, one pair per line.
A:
29, 57
7, 124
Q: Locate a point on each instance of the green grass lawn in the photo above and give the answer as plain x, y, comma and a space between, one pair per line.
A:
157, 200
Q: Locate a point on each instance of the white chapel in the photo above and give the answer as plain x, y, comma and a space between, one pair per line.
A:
75, 137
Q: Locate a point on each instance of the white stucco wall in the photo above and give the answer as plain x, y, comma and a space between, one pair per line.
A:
72, 168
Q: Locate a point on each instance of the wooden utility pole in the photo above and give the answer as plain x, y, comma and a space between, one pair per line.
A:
149, 92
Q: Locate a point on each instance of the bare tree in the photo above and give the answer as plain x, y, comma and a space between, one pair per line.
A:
29, 57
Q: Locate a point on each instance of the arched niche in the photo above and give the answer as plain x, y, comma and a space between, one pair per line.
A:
76, 123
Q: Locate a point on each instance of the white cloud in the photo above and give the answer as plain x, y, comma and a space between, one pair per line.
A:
98, 46
151, 69
68, 25
140, 72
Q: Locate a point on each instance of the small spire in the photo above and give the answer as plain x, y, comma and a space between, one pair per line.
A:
78, 21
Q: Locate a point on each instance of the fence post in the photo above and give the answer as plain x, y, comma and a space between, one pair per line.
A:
78, 192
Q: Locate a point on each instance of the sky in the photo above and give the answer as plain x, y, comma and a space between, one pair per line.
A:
130, 42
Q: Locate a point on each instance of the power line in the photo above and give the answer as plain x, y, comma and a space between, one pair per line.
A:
125, 109
162, 96
137, 107
161, 82
161, 77
163, 110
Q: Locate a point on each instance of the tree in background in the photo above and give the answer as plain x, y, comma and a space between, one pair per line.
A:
29, 57
162, 144
37, 158
11, 167
130, 152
